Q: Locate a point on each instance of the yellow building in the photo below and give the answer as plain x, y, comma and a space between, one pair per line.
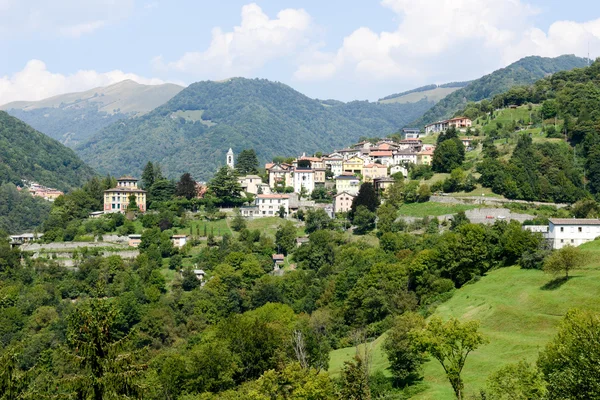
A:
353, 165
117, 198
425, 156
347, 183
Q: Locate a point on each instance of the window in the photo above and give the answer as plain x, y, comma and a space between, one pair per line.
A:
114, 206
562, 229
562, 240
580, 229
572, 241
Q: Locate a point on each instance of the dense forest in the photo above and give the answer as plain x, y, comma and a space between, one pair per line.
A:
523, 72
31, 155
19, 211
192, 132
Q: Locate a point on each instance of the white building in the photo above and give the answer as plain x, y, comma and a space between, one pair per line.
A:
399, 168
179, 240
404, 157
304, 178
334, 162
269, 204
230, 159
573, 231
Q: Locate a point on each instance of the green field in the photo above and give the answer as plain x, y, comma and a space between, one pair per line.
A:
432, 209
518, 314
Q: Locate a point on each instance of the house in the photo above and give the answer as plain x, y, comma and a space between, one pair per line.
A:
459, 122
385, 157
249, 211
349, 153
179, 240
134, 240
411, 133
280, 175
269, 204
436, 127
467, 142
96, 214
572, 231
353, 165
425, 156
411, 144
250, 183
200, 274
342, 202
372, 171
362, 145
320, 175
399, 168
304, 178
315, 162
117, 198
302, 240
278, 259
24, 238
381, 184
334, 163
347, 183
405, 156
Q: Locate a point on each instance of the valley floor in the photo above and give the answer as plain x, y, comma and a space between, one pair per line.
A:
519, 311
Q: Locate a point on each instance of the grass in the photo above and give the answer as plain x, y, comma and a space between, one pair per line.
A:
219, 227
519, 312
431, 209
269, 225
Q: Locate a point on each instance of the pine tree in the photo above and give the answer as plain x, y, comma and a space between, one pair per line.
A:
366, 197
247, 162
148, 176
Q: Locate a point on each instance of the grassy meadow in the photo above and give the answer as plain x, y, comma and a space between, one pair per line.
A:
519, 312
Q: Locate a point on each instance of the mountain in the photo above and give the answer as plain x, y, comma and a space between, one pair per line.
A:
433, 93
28, 154
523, 72
73, 117
193, 131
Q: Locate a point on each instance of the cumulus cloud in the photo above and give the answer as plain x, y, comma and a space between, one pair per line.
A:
35, 82
256, 41
430, 33
72, 18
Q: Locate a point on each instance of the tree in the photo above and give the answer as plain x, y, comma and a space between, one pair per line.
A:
386, 217
285, 237
355, 382
186, 187
460, 218
225, 186
316, 220
161, 190
281, 211
424, 193
247, 162
570, 361
366, 197
448, 155
520, 381
132, 206
450, 343
238, 222
564, 260
100, 353
148, 176
405, 359
364, 220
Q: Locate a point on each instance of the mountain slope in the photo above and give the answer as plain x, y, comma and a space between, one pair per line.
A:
192, 132
523, 72
432, 93
31, 155
73, 117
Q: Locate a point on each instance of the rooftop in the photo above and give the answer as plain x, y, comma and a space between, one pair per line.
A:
574, 221
127, 178
380, 153
346, 177
125, 189
346, 193
272, 196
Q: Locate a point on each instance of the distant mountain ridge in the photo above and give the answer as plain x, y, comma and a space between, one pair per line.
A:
28, 154
73, 117
523, 72
192, 131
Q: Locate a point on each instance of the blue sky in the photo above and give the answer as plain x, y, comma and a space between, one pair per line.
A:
328, 49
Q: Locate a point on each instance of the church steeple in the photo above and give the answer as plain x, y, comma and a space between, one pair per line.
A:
230, 161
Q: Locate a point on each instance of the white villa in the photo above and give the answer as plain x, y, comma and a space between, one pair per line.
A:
572, 231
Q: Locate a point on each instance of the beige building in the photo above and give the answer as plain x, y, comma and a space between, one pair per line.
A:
280, 175
117, 198
250, 183
354, 165
372, 171
179, 240
425, 156
320, 175
347, 183
342, 202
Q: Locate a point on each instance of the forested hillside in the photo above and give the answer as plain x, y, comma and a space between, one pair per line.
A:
193, 131
73, 117
523, 72
19, 211
432, 93
28, 154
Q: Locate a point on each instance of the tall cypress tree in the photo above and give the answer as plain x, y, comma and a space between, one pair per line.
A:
148, 175
186, 187
366, 197
247, 162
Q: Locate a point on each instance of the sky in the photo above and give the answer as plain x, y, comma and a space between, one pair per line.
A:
327, 49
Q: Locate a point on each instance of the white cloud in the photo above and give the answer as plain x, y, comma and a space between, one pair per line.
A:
35, 82
256, 41
71, 18
471, 33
